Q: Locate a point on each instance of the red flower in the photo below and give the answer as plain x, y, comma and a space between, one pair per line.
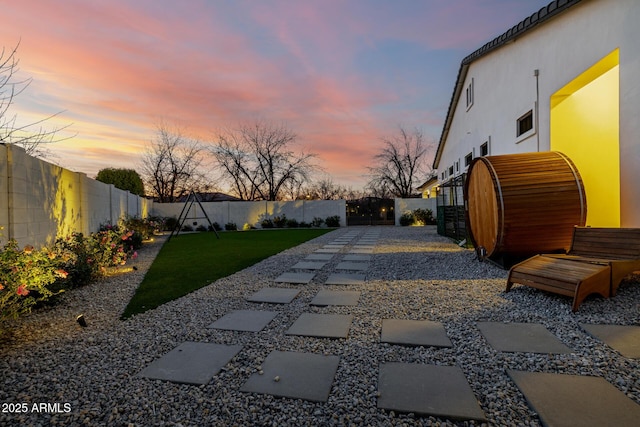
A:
61, 273
135, 255
1, 286
22, 291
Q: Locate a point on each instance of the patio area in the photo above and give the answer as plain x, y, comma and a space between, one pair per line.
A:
361, 326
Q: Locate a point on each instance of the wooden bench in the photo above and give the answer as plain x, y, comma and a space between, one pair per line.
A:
597, 262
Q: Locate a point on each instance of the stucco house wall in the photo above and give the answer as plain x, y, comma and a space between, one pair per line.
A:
523, 74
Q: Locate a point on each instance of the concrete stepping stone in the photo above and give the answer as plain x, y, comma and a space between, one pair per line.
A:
345, 279
244, 320
274, 295
349, 265
309, 265
623, 339
326, 297
327, 251
319, 257
191, 363
414, 333
521, 337
356, 257
305, 376
576, 400
294, 277
334, 246
440, 391
356, 250
321, 325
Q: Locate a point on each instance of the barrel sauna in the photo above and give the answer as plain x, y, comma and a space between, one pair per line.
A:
518, 205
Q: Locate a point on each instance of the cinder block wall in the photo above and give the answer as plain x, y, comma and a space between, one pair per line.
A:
253, 213
40, 201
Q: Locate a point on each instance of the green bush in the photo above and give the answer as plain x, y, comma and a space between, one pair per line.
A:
25, 277
170, 223
417, 217
332, 221
407, 219
29, 276
292, 223
231, 226
144, 227
317, 222
267, 223
303, 224
280, 221
423, 216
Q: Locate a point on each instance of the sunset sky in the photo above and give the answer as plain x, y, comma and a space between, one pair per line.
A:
341, 74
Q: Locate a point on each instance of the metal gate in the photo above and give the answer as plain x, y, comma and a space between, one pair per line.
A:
451, 210
370, 211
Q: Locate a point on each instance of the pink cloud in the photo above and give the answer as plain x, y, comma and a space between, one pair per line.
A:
120, 67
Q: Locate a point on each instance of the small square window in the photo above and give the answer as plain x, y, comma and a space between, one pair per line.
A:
467, 159
450, 170
484, 149
525, 123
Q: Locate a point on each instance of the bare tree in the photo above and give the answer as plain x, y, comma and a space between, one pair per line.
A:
259, 162
326, 189
170, 165
33, 137
400, 163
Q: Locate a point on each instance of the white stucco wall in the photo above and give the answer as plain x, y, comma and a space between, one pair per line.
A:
253, 213
40, 201
560, 49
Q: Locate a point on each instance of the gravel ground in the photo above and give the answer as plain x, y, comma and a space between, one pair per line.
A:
414, 274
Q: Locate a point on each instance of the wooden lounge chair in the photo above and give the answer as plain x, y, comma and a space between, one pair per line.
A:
597, 262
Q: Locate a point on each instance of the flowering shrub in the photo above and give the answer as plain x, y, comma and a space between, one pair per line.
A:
25, 276
29, 275
144, 227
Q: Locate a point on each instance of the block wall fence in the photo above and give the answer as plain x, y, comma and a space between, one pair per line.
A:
40, 201
252, 213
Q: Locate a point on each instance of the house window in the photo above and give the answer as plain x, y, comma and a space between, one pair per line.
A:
470, 95
458, 166
484, 149
525, 123
450, 170
467, 159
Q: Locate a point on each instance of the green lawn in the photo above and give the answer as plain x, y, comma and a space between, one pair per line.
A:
190, 261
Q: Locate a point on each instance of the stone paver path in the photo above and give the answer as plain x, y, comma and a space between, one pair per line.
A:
419, 388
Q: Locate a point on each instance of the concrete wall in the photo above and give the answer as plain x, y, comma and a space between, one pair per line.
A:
505, 87
402, 206
40, 201
253, 213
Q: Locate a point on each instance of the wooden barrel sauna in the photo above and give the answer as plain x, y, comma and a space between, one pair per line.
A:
519, 205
